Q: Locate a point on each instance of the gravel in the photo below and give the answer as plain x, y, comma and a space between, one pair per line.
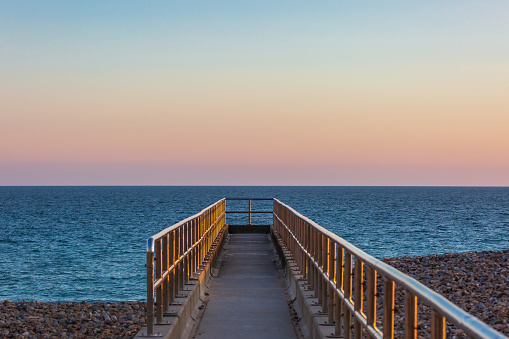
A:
34, 319
477, 282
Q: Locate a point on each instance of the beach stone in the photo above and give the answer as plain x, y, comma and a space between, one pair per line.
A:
473, 281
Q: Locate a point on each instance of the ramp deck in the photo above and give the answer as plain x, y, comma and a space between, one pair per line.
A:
247, 299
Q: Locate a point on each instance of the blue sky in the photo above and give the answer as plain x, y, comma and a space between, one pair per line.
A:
358, 91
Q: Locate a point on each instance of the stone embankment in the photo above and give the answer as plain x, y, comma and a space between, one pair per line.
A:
478, 282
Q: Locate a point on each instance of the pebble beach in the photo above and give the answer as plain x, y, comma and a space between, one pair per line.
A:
33, 319
478, 282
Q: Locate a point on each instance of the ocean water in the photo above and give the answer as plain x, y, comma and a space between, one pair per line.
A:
88, 243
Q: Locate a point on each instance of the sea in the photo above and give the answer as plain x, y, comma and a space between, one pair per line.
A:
89, 243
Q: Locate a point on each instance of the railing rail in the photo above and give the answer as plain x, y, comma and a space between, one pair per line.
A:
334, 269
175, 254
249, 211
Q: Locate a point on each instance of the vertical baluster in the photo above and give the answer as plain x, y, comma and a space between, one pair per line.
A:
202, 240
171, 261
309, 246
410, 315
196, 253
274, 213
359, 279
295, 240
287, 222
347, 332
207, 229
324, 264
318, 259
339, 286
438, 325
315, 260
150, 292
371, 298
289, 244
302, 241
181, 263
294, 243
191, 252
159, 273
388, 308
249, 223
188, 246
166, 281
332, 275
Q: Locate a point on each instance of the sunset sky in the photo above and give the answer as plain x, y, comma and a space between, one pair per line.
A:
254, 93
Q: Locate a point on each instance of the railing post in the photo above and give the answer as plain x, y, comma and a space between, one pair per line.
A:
179, 267
331, 275
150, 292
438, 325
159, 291
324, 263
201, 246
188, 246
339, 286
371, 298
410, 315
166, 281
314, 237
359, 272
171, 261
249, 212
348, 295
274, 212
388, 308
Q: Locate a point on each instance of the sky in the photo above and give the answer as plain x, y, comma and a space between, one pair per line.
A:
254, 93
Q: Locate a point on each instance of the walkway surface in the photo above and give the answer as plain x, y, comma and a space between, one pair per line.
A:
247, 299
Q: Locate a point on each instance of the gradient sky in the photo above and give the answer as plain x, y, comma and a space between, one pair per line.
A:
254, 93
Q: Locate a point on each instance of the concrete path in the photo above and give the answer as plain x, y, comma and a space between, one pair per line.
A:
247, 299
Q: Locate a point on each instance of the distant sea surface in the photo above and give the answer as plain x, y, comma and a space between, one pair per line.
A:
89, 243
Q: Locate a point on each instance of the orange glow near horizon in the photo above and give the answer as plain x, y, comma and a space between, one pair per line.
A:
332, 103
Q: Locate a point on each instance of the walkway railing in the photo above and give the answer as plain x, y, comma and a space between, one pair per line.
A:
334, 269
249, 210
175, 254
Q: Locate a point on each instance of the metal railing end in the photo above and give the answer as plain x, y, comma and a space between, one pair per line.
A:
150, 244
